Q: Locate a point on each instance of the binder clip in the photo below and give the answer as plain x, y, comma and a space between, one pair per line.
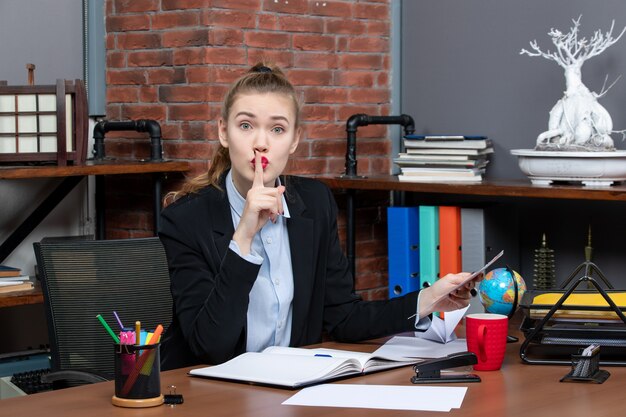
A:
585, 367
172, 398
429, 372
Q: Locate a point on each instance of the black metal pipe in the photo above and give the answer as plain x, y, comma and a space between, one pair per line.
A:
352, 126
361, 119
144, 125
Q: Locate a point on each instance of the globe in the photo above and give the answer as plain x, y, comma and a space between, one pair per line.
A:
497, 291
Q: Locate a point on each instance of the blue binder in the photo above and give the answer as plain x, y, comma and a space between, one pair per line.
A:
403, 246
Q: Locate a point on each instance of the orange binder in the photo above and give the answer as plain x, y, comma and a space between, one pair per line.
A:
449, 240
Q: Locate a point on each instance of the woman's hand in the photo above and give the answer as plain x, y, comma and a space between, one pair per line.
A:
447, 293
262, 204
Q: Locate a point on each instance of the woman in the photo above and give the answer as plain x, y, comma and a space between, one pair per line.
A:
255, 258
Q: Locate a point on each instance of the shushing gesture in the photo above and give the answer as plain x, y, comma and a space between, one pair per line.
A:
262, 204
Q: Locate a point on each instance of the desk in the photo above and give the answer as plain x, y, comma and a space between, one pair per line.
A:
72, 175
517, 390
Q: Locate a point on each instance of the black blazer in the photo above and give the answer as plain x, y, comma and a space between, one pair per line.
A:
210, 283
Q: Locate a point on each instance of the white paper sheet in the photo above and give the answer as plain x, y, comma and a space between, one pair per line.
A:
386, 397
442, 331
402, 347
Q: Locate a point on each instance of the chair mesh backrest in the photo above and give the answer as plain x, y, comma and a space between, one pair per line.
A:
81, 279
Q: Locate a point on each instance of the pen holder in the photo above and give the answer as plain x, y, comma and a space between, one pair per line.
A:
137, 376
586, 369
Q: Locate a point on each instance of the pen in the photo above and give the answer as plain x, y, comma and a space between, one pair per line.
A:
323, 355
107, 328
118, 320
137, 332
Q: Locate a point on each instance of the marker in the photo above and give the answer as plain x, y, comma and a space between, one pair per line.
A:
323, 355
137, 333
108, 329
118, 320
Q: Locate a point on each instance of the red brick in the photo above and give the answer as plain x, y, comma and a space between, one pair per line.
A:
225, 56
371, 11
382, 80
228, 36
189, 112
375, 147
326, 95
361, 61
239, 4
131, 6
170, 131
194, 130
126, 77
189, 93
189, 150
113, 112
199, 74
122, 94
328, 147
378, 28
166, 75
373, 247
344, 112
327, 130
355, 78
301, 24
189, 56
150, 58
138, 40
346, 26
127, 23
267, 22
313, 42
143, 112
369, 95
184, 4
290, 7
315, 60
226, 74
116, 59
269, 40
228, 18
331, 8
110, 41
172, 20
306, 166
318, 113
368, 44
183, 38
310, 77
148, 94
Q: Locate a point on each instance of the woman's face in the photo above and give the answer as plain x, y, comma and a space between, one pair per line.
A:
263, 123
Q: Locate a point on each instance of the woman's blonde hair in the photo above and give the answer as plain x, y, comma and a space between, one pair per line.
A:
261, 78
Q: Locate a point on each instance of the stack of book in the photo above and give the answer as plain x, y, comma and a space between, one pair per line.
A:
444, 158
11, 279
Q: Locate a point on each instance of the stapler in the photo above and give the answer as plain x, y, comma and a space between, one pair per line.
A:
429, 372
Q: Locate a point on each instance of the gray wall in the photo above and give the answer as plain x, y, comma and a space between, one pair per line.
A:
47, 33
462, 72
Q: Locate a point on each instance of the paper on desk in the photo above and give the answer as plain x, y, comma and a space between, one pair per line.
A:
386, 397
442, 331
402, 348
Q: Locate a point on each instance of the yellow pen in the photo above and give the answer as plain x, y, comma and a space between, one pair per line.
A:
137, 333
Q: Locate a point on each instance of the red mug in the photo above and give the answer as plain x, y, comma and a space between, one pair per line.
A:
486, 337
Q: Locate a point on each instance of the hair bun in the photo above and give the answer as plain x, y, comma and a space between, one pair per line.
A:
262, 69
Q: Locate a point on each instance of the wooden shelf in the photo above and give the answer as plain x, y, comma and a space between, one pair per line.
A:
499, 188
17, 298
106, 167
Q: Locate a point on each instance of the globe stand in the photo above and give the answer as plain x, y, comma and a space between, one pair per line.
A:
509, 338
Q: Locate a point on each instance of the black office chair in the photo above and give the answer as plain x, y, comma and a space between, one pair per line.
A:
83, 278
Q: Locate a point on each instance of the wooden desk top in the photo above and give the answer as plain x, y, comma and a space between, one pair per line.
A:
106, 167
518, 390
17, 298
497, 188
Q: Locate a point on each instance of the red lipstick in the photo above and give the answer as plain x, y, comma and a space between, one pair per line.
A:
264, 162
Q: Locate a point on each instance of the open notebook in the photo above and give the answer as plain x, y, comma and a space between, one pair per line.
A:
298, 367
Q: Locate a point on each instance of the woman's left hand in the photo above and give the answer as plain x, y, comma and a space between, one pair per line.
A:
448, 293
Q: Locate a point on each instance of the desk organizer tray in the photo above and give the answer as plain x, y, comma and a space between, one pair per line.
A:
558, 323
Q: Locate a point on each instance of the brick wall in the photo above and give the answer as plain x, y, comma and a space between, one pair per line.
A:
172, 60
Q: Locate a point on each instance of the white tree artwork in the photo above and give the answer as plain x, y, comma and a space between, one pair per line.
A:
577, 121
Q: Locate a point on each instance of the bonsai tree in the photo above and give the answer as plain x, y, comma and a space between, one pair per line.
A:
577, 121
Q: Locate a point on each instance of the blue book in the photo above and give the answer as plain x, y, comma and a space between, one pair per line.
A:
403, 246
429, 244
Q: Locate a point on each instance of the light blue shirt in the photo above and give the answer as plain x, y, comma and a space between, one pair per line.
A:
270, 300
